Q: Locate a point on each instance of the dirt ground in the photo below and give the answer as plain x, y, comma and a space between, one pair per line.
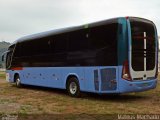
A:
31, 102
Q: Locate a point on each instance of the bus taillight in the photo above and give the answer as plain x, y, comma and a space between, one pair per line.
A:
125, 71
127, 17
156, 75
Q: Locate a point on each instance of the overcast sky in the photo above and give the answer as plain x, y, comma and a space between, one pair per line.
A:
23, 17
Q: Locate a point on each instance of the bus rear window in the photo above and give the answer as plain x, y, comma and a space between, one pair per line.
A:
143, 44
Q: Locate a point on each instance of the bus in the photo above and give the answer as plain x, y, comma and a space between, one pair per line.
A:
118, 55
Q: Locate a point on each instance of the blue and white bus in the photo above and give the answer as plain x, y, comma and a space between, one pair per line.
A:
118, 55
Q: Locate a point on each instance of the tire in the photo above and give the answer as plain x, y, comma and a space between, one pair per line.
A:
18, 81
73, 88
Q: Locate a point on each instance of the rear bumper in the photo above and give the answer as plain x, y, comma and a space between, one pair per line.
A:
128, 87
136, 86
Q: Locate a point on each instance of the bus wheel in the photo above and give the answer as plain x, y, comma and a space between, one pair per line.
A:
73, 88
18, 81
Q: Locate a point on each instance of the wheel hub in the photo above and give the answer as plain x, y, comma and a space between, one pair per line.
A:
73, 87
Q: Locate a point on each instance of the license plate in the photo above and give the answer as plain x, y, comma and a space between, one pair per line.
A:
145, 84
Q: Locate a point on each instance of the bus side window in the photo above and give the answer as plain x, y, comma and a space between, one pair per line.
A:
59, 43
103, 39
24, 48
17, 52
78, 40
43, 47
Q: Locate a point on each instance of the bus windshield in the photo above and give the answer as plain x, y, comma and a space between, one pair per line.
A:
9, 56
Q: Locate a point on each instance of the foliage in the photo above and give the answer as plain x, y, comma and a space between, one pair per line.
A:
3, 47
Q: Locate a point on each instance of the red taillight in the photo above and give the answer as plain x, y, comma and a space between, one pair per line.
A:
127, 17
17, 68
125, 71
157, 71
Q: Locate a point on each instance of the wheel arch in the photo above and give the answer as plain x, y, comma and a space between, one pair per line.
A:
70, 76
15, 75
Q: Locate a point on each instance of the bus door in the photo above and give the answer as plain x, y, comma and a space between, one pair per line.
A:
142, 49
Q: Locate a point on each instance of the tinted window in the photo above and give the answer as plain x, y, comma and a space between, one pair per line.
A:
143, 45
59, 43
103, 39
35, 47
104, 36
27, 48
78, 40
8, 59
42, 46
9, 56
17, 52
94, 46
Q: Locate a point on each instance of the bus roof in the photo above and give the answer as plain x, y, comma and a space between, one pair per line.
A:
62, 30
69, 29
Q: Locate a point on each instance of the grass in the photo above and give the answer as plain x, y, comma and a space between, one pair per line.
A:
37, 103
2, 75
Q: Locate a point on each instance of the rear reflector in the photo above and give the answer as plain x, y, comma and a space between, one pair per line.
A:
125, 71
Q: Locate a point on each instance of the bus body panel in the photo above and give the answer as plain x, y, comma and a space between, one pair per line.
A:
122, 41
50, 77
57, 77
96, 79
